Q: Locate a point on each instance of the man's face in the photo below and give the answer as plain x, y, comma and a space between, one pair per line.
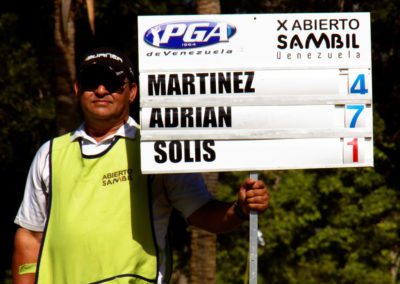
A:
103, 96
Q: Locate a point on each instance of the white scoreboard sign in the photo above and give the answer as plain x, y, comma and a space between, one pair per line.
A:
255, 92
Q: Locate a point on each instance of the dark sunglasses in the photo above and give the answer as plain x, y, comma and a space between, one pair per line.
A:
91, 81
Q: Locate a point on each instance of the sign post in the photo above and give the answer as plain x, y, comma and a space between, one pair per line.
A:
255, 92
253, 242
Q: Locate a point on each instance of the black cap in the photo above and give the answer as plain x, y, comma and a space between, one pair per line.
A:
108, 59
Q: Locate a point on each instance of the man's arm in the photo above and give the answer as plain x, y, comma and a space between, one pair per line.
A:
26, 251
219, 217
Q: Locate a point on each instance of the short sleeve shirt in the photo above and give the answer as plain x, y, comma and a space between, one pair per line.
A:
184, 192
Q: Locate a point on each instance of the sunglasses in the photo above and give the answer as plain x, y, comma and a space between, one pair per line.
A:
92, 80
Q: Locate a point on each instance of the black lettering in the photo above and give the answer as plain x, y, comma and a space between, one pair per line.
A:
224, 83
156, 118
323, 25
202, 77
354, 24
187, 117
175, 151
282, 25
307, 25
317, 43
333, 24
213, 84
162, 156
197, 149
209, 117
296, 42
296, 25
282, 40
236, 82
198, 117
171, 117
248, 87
209, 156
224, 117
188, 158
354, 41
173, 85
336, 41
156, 86
188, 84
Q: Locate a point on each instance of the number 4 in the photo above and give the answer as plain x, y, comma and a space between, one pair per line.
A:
359, 86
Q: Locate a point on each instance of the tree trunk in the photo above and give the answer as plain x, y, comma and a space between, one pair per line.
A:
395, 260
204, 244
64, 71
208, 7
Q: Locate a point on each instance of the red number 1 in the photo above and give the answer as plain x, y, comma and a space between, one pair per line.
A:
354, 142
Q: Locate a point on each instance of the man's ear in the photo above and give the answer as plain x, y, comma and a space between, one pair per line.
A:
132, 92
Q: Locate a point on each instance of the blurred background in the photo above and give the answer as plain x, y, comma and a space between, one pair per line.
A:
323, 226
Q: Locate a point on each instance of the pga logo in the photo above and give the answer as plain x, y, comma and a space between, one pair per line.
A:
180, 35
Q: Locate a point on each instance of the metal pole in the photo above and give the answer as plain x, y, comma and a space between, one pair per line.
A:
253, 242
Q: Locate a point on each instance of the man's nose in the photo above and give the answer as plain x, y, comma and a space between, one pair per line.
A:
101, 90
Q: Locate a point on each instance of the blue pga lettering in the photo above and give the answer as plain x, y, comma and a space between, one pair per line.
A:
180, 35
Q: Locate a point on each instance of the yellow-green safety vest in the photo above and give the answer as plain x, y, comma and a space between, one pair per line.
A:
99, 227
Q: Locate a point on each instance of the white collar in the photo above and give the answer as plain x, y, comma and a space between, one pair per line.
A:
128, 130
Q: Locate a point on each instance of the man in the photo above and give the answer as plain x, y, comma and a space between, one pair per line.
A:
88, 214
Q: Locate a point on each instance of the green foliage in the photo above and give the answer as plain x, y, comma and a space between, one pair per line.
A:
232, 247
26, 107
26, 116
331, 226
232, 256
339, 225
323, 226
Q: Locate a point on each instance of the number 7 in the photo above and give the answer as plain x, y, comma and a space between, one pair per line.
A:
359, 109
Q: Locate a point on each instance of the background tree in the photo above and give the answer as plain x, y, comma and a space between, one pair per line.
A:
64, 60
26, 113
336, 226
203, 243
64, 66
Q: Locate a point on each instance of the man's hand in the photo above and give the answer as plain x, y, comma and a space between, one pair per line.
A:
220, 217
253, 195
